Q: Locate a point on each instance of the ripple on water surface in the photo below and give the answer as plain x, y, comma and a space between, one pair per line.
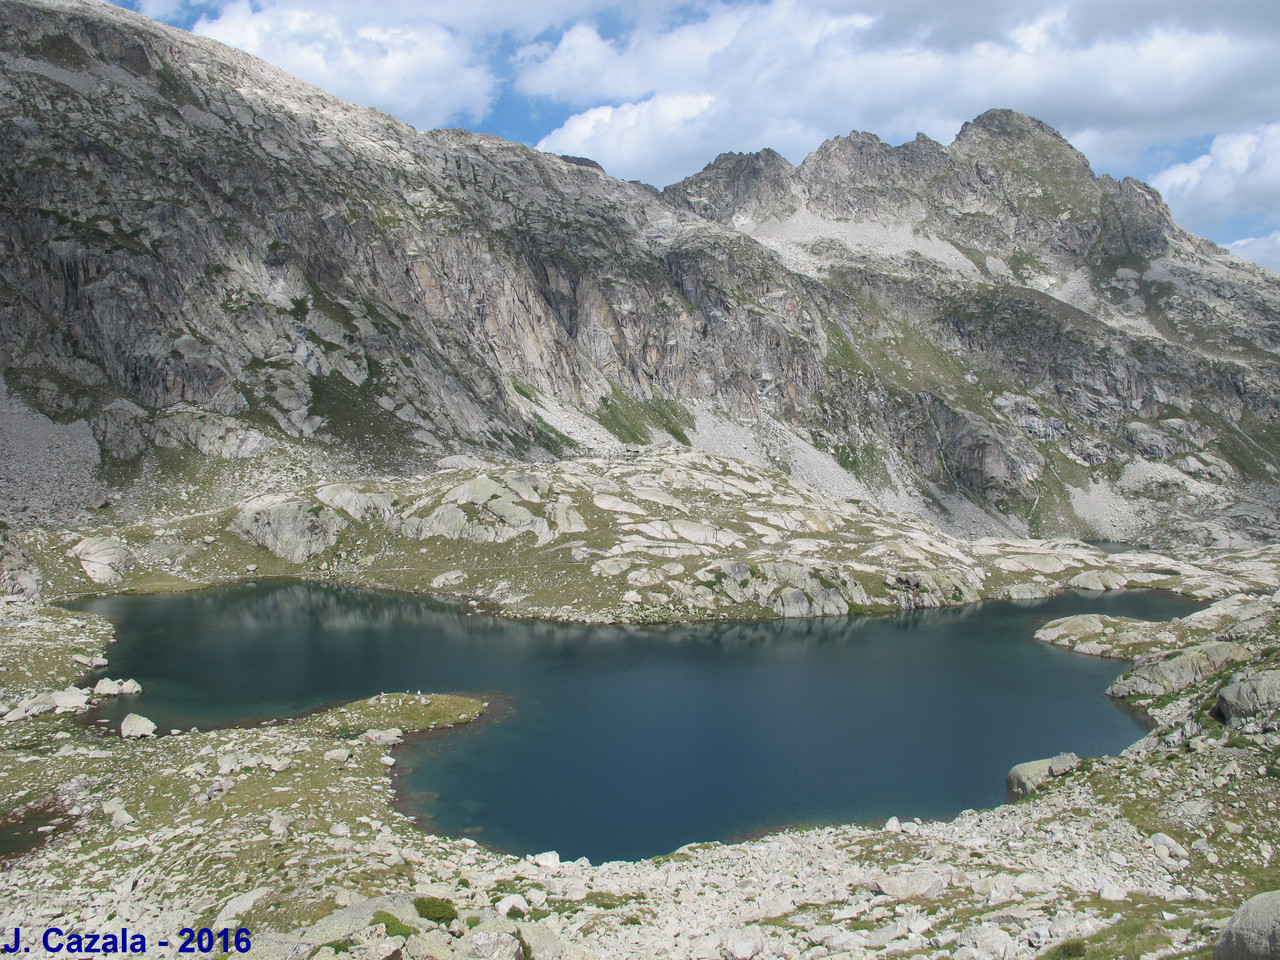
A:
624, 742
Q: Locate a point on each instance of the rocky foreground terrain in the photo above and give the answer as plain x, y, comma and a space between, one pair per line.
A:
288, 829
248, 330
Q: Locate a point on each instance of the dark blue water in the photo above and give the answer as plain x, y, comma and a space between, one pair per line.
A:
626, 742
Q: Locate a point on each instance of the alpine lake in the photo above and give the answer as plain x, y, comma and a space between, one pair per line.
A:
625, 742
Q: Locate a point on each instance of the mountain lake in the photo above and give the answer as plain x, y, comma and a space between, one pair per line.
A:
624, 742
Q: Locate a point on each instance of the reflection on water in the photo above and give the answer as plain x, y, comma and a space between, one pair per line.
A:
1110, 547
627, 741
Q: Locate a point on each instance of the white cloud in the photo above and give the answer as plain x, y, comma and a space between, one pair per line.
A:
582, 67
423, 73
161, 9
653, 133
1263, 250
1238, 177
789, 73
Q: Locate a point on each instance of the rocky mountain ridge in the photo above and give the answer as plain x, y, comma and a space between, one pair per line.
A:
204, 254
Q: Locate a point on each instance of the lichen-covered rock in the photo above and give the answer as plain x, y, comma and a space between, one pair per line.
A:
1171, 674
1250, 698
104, 559
293, 529
1253, 932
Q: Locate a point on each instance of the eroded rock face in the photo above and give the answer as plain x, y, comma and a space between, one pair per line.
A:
1253, 933
1251, 698
294, 530
210, 434
1179, 671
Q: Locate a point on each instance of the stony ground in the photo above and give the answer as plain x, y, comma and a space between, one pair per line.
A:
288, 830
656, 534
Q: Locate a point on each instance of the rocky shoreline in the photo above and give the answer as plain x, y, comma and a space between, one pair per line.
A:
290, 830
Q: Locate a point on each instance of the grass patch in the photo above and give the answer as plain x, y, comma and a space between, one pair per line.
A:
354, 419
395, 926
436, 909
1067, 950
624, 417
632, 420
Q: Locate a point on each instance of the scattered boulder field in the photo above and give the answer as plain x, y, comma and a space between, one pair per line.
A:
657, 534
290, 829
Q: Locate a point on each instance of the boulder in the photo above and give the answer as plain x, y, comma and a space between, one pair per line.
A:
512, 902
292, 529
449, 579
1253, 932
70, 700
550, 860
135, 725
491, 945
343, 496
983, 941
1026, 777
1098, 580
383, 738
107, 688
742, 944
18, 573
1249, 698
1174, 848
910, 885
1180, 671
1112, 892
1063, 764
103, 559
119, 430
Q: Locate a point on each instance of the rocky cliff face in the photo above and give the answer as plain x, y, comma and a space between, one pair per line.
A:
202, 253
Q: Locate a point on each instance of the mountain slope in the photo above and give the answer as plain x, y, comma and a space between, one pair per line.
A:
201, 252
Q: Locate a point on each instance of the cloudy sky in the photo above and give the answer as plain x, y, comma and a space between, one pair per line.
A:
1184, 94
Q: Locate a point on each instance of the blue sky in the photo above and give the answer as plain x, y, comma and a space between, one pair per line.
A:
1182, 94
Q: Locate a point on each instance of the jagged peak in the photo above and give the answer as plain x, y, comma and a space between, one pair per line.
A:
742, 182
1001, 132
740, 164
